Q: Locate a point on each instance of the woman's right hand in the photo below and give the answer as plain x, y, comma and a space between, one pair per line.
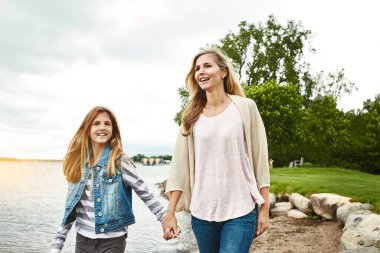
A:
170, 227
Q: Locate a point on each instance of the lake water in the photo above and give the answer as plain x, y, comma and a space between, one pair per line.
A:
32, 204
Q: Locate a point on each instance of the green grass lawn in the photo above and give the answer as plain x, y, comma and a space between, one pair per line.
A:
361, 187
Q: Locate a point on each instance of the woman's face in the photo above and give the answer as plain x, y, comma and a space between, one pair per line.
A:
101, 129
208, 74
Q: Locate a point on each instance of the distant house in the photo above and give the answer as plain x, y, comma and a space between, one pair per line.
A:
150, 161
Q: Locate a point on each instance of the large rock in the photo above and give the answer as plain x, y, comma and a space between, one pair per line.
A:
282, 197
281, 208
272, 200
361, 250
354, 218
295, 213
301, 203
343, 211
326, 204
365, 235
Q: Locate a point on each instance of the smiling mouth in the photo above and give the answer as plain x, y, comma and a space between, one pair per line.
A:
101, 134
204, 79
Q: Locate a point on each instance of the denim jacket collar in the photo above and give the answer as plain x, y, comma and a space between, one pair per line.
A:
103, 160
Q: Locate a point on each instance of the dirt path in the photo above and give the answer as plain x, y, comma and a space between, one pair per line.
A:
289, 235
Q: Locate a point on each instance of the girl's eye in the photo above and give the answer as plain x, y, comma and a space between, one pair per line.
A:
196, 69
95, 123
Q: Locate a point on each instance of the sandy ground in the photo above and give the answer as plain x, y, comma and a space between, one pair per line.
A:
289, 235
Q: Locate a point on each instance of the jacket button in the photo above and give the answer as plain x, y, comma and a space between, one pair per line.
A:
102, 230
110, 180
97, 185
100, 213
98, 199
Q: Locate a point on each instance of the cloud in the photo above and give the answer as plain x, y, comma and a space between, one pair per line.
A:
59, 59
39, 35
49, 36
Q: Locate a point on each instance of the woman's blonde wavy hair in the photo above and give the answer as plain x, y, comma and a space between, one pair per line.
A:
198, 97
79, 148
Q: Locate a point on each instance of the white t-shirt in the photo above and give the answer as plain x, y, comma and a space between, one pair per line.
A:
225, 185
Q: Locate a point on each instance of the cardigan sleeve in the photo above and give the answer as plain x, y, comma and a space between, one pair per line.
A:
259, 148
179, 173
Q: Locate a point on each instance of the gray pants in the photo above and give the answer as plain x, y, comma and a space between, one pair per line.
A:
88, 245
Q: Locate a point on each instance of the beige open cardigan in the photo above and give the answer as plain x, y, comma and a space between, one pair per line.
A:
181, 174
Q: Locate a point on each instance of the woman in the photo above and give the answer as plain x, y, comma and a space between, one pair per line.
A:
100, 178
219, 171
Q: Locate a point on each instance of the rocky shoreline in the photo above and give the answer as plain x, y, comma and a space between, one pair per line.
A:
326, 223
359, 226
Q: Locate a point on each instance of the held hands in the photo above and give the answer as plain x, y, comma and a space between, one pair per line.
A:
170, 227
263, 220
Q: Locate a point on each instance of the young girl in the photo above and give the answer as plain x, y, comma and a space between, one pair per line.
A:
219, 171
100, 178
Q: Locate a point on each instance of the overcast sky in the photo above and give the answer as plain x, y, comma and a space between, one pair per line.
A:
58, 59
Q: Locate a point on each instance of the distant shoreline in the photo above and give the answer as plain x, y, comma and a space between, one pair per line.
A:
11, 159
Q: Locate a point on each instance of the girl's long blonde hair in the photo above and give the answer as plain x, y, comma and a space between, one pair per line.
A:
198, 97
79, 148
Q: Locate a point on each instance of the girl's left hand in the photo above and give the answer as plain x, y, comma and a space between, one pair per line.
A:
170, 226
263, 221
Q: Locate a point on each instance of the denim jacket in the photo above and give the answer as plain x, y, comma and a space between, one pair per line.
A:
112, 198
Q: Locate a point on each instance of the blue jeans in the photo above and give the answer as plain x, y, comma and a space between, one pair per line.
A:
231, 236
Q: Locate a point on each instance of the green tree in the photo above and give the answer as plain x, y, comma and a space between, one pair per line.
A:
271, 52
275, 52
364, 129
324, 132
165, 157
184, 95
280, 107
372, 134
334, 84
137, 158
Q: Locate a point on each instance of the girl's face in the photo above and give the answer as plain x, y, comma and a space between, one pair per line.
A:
101, 129
208, 73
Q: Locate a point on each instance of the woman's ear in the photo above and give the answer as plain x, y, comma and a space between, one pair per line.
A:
224, 73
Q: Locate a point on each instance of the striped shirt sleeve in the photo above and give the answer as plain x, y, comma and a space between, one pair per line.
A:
60, 237
131, 178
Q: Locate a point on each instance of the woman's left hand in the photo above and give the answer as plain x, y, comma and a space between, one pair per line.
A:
170, 226
263, 220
